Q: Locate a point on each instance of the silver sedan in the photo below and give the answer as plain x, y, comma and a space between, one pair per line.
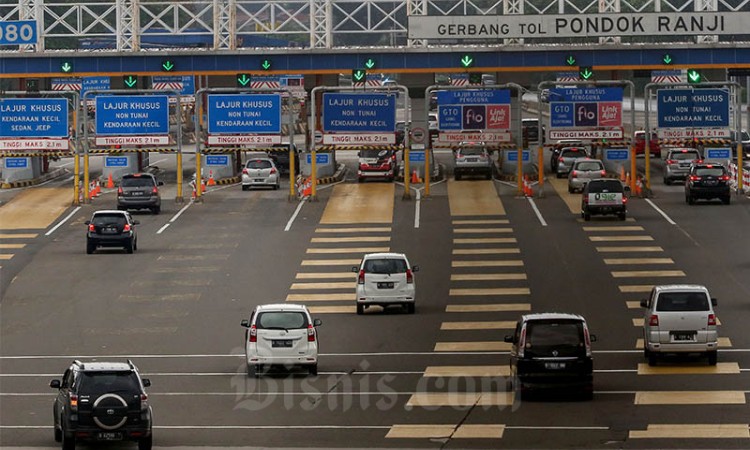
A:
260, 172
583, 171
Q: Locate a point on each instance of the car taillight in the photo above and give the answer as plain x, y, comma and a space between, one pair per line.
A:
119, 190
671, 161
126, 227
92, 227
587, 340
574, 174
603, 173
712, 319
694, 178
522, 342
253, 334
361, 277
409, 276
74, 402
273, 170
244, 171
585, 199
155, 190
724, 178
624, 199
144, 402
310, 333
653, 320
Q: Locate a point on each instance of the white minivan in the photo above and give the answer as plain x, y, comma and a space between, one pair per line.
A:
281, 335
385, 279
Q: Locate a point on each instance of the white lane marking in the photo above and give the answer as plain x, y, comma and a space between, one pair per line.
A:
417, 208
157, 161
174, 218
531, 427
663, 214
162, 228
536, 211
294, 216
59, 224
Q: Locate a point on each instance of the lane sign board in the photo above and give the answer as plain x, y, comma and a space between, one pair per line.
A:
131, 140
16, 163
94, 84
360, 138
701, 133
17, 32
416, 156
589, 107
115, 161
476, 137
718, 153
473, 109
513, 156
122, 115
34, 118
248, 139
692, 108
616, 154
585, 134
217, 160
359, 113
34, 144
320, 158
244, 113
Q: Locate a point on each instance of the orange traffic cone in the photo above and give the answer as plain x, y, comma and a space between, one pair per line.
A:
639, 187
307, 191
110, 182
203, 185
97, 188
92, 191
211, 181
622, 173
414, 176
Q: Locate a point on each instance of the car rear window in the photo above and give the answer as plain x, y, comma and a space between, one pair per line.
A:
281, 320
590, 165
709, 171
94, 383
682, 301
545, 333
605, 186
385, 266
137, 182
259, 164
108, 219
374, 153
682, 156
573, 153
472, 151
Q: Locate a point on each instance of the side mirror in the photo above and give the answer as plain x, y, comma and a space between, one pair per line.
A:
508, 338
415, 269
592, 337
245, 323
317, 322
55, 384
355, 269
146, 382
714, 302
136, 222
359, 154
88, 222
644, 303
161, 183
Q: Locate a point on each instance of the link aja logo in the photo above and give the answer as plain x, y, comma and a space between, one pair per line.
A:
486, 117
602, 114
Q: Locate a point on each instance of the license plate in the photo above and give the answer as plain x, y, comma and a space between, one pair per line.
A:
136, 193
472, 160
286, 343
259, 180
109, 230
711, 182
554, 365
109, 436
385, 285
684, 336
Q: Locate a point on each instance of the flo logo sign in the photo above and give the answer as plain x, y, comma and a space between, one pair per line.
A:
585, 107
474, 110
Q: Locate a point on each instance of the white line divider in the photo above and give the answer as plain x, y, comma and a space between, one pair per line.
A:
663, 214
59, 224
536, 211
294, 216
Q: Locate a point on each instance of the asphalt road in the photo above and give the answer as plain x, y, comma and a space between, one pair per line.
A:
435, 379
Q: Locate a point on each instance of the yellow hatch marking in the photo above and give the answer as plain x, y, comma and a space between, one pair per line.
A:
360, 203
487, 276
493, 431
35, 208
634, 288
719, 368
490, 291
362, 250
472, 346
348, 309
320, 297
647, 273
12, 245
324, 275
482, 230
614, 228
6, 256
489, 308
690, 398
497, 325
354, 230
331, 262
467, 371
484, 240
352, 239
625, 261
485, 251
481, 222
17, 236
342, 285
619, 238
629, 249
474, 198
460, 399
633, 304
693, 430
490, 263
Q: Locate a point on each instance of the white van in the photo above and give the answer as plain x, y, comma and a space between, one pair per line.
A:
385, 279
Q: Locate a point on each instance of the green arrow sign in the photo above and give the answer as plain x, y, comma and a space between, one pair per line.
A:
666, 59
167, 66
131, 81
586, 73
693, 76
467, 61
243, 80
266, 64
358, 75
66, 67
570, 60
370, 63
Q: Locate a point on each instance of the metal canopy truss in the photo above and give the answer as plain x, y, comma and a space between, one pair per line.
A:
132, 25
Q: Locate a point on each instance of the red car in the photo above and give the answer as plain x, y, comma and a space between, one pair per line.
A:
640, 144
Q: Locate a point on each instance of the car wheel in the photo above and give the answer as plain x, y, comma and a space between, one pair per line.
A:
667, 181
588, 392
129, 246
411, 308
652, 359
276, 187
90, 248
68, 441
156, 209
622, 216
58, 434
121, 208
726, 200
489, 175
313, 369
245, 187
646, 353
145, 443
252, 370
458, 176
570, 190
135, 244
712, 357
586, 216
691, 200
360, 309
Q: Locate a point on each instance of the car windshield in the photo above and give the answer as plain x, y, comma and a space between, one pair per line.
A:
684, 156
472, 151
709, 171
589, 165
281, 320
108, 219
385, 266
95, 383
259, 164
605, 186
137, 182
682, 301
374, 153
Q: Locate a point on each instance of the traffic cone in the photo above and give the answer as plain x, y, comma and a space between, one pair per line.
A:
203, 186
414, 176
211, 181
529, 190
97, 188
110, 182
622, 173
92, 192
307, 191
638, 187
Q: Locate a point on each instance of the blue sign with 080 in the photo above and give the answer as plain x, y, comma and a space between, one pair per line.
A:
15, 32
244, 113
121, 115
34, 117
359, 113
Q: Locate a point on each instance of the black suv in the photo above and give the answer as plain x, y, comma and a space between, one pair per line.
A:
604, 196
551, 350
707, 181
111, 228
139, 191
280, 157
102, 401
